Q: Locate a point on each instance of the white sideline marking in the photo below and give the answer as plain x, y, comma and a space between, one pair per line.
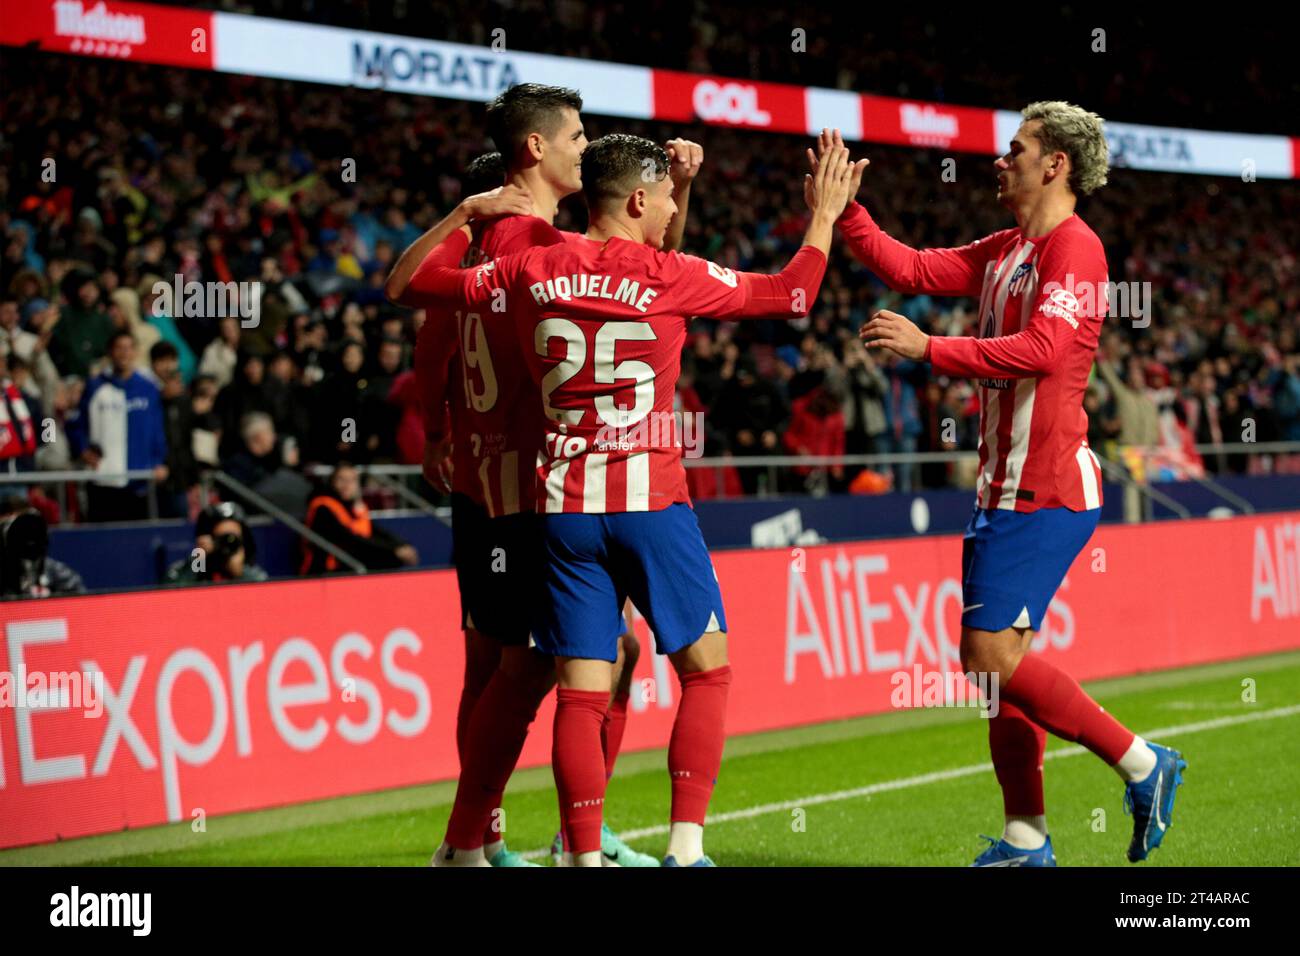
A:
938, 776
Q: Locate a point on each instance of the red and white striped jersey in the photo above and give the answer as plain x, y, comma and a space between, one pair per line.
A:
601, 325
476, 371
1042, 303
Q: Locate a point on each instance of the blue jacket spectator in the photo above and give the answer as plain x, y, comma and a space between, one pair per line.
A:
119, 427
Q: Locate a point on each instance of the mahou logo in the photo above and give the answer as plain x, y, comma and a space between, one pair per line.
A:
925, 124
729, 103
98, 30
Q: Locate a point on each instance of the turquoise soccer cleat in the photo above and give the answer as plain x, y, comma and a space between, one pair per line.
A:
702, 861
508, 857
614, 852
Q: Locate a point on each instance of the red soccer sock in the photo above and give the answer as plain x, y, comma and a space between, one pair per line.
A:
695, 749
1017, 745
497, 732
611, 732
469, 697
579, 765
1053, 699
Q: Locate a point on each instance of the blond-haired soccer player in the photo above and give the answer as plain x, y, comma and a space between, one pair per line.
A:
1042, 299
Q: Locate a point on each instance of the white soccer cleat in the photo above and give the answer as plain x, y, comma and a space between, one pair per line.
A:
447, 855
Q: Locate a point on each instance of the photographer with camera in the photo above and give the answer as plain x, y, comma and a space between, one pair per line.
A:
26, 569
224, 549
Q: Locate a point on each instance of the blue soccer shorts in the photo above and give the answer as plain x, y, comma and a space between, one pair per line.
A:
595, 561
1012, 563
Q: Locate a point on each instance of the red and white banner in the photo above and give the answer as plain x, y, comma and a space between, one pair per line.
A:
964, 129
216, 700
145, 32
692, 97
261, 46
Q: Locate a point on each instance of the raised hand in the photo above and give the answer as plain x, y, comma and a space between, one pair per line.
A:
827, 189
684, 161
827, 141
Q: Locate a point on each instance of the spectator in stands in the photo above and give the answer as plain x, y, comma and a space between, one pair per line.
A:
341, 517
752, 414
310, 348
26, 569
18, 439
1285, 385
81, 335
264, 464
30, 346
940, 433
1203, 411
816, 428
182, 469
340, 425
291, 403
124, 309
20, 375
1235, 422
222, 353
903, 425
244, 396
205, 423
119, 427
381, 417
224, 549
864, 407
166, 323
1136, 411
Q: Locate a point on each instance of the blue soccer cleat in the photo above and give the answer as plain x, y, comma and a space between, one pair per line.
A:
1002, 853
1151, 802
702, 861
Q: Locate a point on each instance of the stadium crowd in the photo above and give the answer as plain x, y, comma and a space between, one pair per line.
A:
142, 174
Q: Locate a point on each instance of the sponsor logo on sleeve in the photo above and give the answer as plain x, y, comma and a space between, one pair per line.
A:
1063, 304
722, 274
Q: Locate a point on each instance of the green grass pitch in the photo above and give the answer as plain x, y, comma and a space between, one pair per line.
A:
900, 789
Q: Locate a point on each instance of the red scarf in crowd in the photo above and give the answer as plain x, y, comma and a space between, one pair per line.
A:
17, 433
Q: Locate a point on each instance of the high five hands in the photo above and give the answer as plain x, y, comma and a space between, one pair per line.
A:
834, 177
831, 143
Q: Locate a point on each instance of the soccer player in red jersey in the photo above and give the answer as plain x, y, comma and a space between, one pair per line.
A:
601, 321
493, 440
1042, 290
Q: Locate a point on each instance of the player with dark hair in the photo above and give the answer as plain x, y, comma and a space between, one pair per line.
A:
601, 320
1042, 300
527, 110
